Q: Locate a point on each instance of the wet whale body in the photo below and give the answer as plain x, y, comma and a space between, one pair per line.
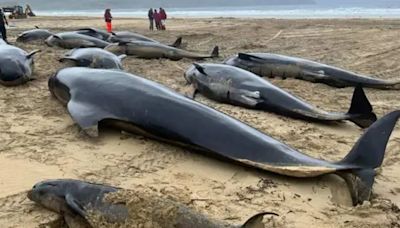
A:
73, 199
16, 65
151, 50
94, 58
94, 32
274, 65
140, 106
70, 40
123, 36
34, 35
240, 87
78, 201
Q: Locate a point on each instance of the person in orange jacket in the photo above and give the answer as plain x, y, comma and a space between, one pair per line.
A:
108, 19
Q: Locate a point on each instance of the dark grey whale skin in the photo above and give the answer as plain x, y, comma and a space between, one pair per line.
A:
274, 65
240, 87
94, 58
34, 35
144, 107
16, 65
74, 199
70, 40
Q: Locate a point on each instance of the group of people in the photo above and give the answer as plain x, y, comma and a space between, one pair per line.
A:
157, 18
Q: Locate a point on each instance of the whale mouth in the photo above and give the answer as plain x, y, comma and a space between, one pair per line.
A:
29, 194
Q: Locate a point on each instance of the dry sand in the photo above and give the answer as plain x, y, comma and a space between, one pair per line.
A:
38, 139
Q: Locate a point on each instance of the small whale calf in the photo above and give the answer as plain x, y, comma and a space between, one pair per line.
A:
274, 65
78, 202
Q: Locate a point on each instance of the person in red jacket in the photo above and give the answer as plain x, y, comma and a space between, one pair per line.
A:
157, 19
108, 19
163, 16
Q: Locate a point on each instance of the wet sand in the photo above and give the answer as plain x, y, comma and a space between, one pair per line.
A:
38, 139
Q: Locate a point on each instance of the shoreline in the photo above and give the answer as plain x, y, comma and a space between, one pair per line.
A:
41, 17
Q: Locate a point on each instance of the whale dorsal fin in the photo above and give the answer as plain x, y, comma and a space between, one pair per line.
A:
57, 36
256, 220
200, 68
245, 56
37, 27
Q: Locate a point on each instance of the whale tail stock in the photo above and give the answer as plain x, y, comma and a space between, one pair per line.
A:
366, 155
361, 110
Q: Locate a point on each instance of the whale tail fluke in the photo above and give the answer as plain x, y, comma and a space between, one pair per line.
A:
215, 52
366, 155
177, 43
361, 109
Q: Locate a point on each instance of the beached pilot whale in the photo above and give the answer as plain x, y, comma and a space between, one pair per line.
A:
94, 32
151, 50
126, 36
16, 65
240, 87
71, 40
273, 65
78, 201
140, 106
94, 58
33, 35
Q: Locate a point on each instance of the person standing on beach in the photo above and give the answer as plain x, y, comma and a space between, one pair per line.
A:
108, 19
157, 19
3, 23
163, 17
151, 19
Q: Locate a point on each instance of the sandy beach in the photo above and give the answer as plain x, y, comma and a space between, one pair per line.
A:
39, 140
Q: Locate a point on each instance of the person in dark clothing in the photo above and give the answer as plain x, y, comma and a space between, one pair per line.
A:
151, 19
3, 23
108, 19
157, 19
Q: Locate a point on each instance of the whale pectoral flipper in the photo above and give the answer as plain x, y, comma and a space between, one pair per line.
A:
75, 221
74, 205
190, 92
246, 97
32, 53
86, 116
